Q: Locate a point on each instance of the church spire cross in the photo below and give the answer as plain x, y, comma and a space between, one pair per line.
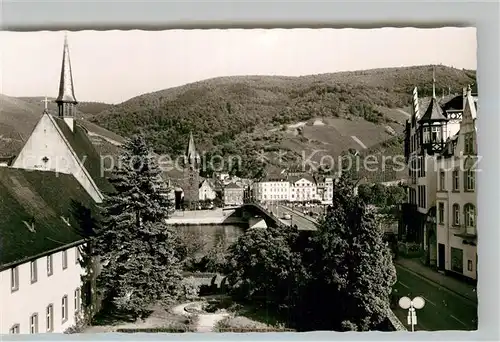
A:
46, 101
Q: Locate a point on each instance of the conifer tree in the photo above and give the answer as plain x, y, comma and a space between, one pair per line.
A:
353, 271
136, 247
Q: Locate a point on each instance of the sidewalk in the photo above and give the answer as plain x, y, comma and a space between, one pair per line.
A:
465, 290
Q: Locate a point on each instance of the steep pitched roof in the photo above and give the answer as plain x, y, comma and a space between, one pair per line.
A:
87, 154
433, 112
41, 198
66, 89
191, 153
456, 103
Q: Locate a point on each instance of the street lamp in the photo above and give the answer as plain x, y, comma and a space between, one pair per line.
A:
410, 305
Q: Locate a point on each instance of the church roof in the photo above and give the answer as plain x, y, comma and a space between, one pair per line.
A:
191, 153
433, 112
66, 89
33, 209
87, 154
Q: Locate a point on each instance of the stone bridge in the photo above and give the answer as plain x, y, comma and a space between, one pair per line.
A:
252, 214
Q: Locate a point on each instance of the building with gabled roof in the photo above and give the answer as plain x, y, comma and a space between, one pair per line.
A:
429, 132
48, 192
61, 145
233, 194
456, 199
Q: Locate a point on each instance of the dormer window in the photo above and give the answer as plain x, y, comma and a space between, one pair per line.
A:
66, 221
30, 225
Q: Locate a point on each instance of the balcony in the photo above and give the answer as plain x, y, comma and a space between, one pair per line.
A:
468, 234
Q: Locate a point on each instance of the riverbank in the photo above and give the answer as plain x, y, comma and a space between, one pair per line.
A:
205, 217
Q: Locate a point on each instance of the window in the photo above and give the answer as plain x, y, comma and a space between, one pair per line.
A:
64, 308
469, 265
456, 214
14, 278
77, 301
441, 213
15, 329
33, 271
50, 317
50, 265
422, 198
64, 259
456, 180
470, 216
436, 134
77, 255
469, 180
469, 144
425, 135
34, 324
442, 181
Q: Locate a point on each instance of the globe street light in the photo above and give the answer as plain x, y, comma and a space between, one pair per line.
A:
412, 304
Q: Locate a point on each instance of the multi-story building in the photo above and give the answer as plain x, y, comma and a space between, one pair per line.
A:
432, 125
303, 188
456, 198
325, 189
233, 194
272, 189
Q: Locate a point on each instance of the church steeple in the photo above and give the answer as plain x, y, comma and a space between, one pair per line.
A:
66, 100
191, 157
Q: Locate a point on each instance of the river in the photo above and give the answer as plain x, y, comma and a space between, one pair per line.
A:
202, 238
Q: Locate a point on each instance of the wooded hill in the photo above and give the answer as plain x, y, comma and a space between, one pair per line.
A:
245, 114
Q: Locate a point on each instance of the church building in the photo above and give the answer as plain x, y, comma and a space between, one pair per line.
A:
47, 193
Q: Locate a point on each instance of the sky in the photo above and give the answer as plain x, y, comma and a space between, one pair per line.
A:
114, 66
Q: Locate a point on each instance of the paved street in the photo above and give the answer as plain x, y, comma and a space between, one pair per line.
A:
443, 310
297, 219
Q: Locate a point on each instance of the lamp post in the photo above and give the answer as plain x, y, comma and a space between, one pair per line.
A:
412, 305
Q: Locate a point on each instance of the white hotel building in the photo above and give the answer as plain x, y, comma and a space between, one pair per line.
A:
302, 188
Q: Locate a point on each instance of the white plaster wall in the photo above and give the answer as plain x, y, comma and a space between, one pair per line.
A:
46, 141
206, 192
265, 191
18, 306
446, 233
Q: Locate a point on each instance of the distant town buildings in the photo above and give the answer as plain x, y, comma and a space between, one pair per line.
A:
440, 149
207, 190
294, 187
233, 194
